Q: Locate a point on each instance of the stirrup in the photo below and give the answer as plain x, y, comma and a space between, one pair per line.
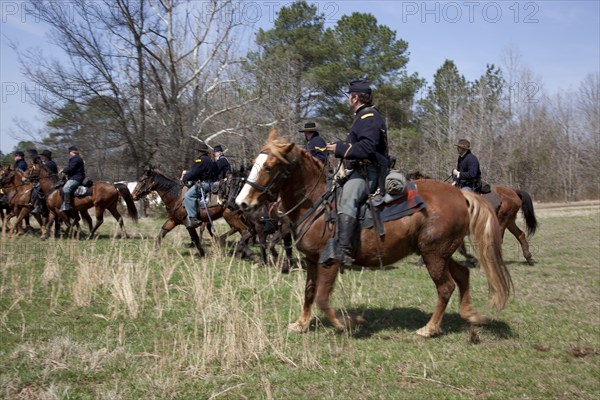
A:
192, 222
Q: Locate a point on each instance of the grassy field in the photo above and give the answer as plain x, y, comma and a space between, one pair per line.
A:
114, 319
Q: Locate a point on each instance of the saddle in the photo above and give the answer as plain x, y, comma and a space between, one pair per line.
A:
83, 190
391, 207
401, 200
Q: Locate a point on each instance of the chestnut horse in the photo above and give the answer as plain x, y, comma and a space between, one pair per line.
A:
171, 192
105, 196
18, 196
511, 201
435, 232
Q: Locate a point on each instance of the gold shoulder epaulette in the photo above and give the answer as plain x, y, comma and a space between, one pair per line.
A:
367, 115
198, 160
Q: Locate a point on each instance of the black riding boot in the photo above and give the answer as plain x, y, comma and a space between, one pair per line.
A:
66, 205
340, 249
346, 228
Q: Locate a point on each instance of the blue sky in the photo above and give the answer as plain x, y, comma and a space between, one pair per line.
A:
559, 41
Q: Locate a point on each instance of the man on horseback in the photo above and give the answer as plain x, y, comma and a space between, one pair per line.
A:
47, 161
45, 158
201, 176
19, 161
223, 166
315, 144
75, 172
366, 148
467, 174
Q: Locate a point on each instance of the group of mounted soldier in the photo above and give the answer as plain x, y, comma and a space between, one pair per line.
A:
364, 152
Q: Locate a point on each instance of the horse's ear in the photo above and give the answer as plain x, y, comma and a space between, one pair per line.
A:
272, 135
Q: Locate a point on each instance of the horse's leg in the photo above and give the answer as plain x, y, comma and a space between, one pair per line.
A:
166, 228
99, 221
301, 325
51, 219
85, 215
438, 268
196, 240
522, 238
469, 257
22, 214
115, 213
41, 223
460, 275
289, 253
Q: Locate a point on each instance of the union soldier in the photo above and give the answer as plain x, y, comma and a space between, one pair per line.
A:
467, 174
315, 144
200, 177
46, 160
366, 148
75, 172
223, 166
19, 161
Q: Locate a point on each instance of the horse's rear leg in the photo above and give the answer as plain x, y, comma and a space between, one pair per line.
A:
469, 257
460, 275
115, 213
438, 269
522, 238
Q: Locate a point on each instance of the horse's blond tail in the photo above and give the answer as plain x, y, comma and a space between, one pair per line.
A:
484, 232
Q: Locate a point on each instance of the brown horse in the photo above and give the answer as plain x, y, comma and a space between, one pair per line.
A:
511, 201
105, 196
171, 192
266, 225
435, 232
18, 192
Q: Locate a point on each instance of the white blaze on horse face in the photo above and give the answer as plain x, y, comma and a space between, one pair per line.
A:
254, 174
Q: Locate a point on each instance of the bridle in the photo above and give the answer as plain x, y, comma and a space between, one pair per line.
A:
278, 178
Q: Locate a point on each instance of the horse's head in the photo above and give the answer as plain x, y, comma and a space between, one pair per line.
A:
6, 175
271, 168
145, 184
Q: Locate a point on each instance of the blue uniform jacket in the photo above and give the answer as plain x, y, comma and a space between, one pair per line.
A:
222, 167
468, 166
367, 136
21, 164
204, 169
317, 146
51, 167
75, 169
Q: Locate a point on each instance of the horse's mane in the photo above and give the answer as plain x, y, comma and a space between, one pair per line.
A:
165, 183
52, 175
277, 147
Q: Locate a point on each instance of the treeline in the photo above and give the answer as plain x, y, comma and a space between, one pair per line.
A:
141, 83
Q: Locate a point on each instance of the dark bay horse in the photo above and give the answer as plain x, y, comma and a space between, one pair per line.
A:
264, 224
435, 232
18, 196
511, 201
105, 196
171, 192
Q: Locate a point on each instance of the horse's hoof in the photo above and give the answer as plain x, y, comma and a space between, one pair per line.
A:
297, 328
427, 332
530, 261
477, 319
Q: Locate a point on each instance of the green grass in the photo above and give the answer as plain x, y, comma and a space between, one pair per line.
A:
114, 319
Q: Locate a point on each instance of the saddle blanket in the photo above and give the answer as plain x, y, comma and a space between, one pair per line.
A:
402, 206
